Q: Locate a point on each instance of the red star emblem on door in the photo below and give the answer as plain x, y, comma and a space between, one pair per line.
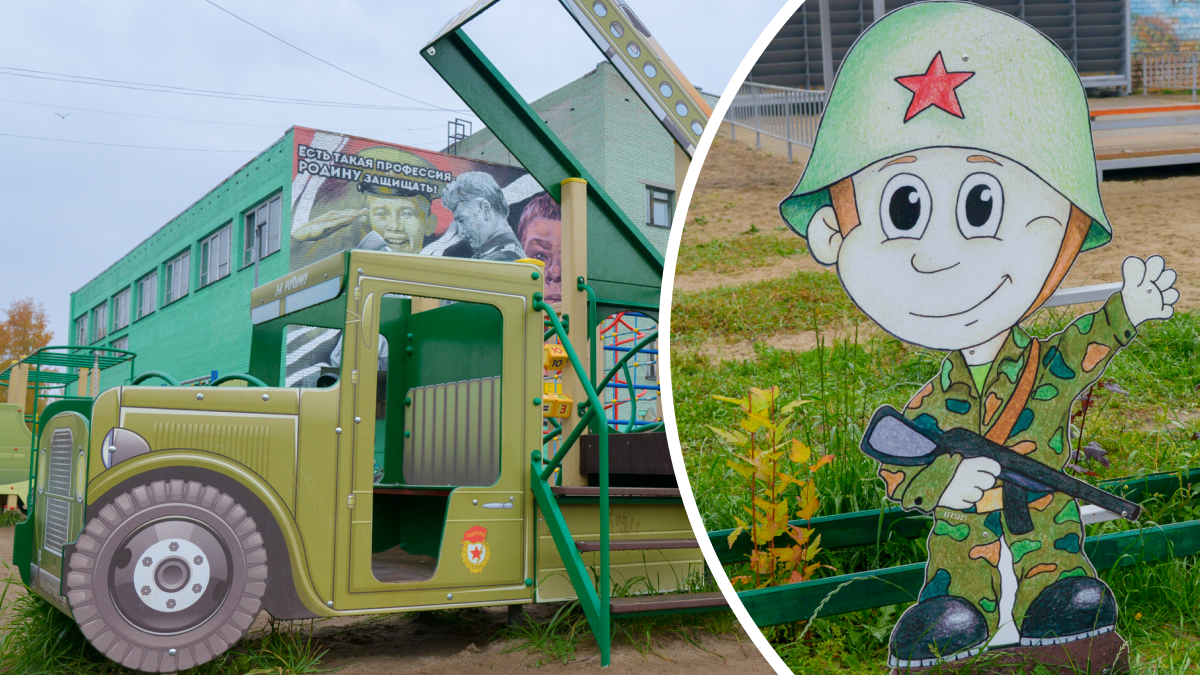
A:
934, 88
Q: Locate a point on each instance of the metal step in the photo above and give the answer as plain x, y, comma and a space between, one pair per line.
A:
667, 604
638, 544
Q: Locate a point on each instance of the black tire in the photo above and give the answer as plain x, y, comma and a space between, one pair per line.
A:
167, 576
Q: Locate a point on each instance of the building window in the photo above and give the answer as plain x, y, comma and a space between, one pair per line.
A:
81, 330
121, 343
176, 281
659, 206
99, 322
121, 310
262, 226
214, 256
147, 294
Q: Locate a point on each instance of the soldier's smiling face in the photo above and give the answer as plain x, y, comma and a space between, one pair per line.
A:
953, 245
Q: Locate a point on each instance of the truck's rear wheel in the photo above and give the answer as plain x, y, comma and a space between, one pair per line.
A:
167, 576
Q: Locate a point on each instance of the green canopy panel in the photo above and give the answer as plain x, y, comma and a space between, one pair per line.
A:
64, 360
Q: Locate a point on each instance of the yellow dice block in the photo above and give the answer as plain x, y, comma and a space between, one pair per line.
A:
554, 357
556, 405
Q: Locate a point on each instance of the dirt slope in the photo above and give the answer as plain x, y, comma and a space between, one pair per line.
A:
740, 187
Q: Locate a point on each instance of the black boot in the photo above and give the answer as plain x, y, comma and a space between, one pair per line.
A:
1069, 609
940, 629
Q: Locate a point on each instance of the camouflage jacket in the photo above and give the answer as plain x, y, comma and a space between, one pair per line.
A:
1068, 362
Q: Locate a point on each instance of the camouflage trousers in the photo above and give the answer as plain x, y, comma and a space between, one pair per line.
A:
966, 558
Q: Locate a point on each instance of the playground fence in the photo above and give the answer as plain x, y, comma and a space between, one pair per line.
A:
1170, 71
790, 115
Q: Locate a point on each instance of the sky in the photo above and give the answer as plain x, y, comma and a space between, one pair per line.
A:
68, 210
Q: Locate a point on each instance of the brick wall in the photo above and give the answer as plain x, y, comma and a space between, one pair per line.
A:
209, 328
1164, 26
611, 132
598, 117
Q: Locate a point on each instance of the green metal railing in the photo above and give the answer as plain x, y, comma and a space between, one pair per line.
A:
592, 323
595, 599
893, 585
63, 360
155, 374
248, 379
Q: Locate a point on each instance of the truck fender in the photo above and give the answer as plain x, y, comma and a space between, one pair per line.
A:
282, 600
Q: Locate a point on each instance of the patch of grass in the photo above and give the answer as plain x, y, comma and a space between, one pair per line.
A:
559, 639
759, 309
40, 640
10, 518
1153, 426
556, 640
729, 255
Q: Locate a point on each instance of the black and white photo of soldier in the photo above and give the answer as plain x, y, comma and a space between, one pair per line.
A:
480, 228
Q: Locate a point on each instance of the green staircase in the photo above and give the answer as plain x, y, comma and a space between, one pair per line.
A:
595, 593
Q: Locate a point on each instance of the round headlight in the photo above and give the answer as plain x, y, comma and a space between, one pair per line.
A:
80, 477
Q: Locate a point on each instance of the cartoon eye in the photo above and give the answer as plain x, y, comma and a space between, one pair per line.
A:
904, 209
980, 206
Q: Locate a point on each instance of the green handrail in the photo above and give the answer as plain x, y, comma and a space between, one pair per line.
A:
592, 322
583, 406
551, 435
252, 380
600, 618
149, 374
564, 447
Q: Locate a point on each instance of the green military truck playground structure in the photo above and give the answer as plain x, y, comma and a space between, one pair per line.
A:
421, 473
164, 518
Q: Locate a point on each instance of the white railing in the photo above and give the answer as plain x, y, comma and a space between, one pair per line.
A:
1170, 71
790, 115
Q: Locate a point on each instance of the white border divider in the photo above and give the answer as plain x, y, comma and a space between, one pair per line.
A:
684, 201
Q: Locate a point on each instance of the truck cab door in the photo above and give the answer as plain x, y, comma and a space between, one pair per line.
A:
442, 421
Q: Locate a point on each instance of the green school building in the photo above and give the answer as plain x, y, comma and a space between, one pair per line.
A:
181, 298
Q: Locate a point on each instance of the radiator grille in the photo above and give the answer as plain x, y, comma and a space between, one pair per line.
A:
57, 514
248, 445
59, 476
455, 436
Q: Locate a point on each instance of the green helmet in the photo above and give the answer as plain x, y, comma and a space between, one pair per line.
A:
995, 84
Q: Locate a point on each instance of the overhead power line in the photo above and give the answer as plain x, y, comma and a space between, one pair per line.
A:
206, 93
125, 114
314, 56
188, 119
122, 145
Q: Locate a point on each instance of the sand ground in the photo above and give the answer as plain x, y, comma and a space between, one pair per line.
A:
411, 644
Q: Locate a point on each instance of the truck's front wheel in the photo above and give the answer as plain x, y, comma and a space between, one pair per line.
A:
167, 576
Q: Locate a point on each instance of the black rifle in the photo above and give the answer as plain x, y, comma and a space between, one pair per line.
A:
894, 439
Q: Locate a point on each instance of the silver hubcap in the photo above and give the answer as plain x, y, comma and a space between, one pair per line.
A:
171, 575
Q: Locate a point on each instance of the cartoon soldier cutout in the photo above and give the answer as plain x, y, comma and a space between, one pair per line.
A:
953, 182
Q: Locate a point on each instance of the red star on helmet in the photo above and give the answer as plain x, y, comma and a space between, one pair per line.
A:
934, 88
